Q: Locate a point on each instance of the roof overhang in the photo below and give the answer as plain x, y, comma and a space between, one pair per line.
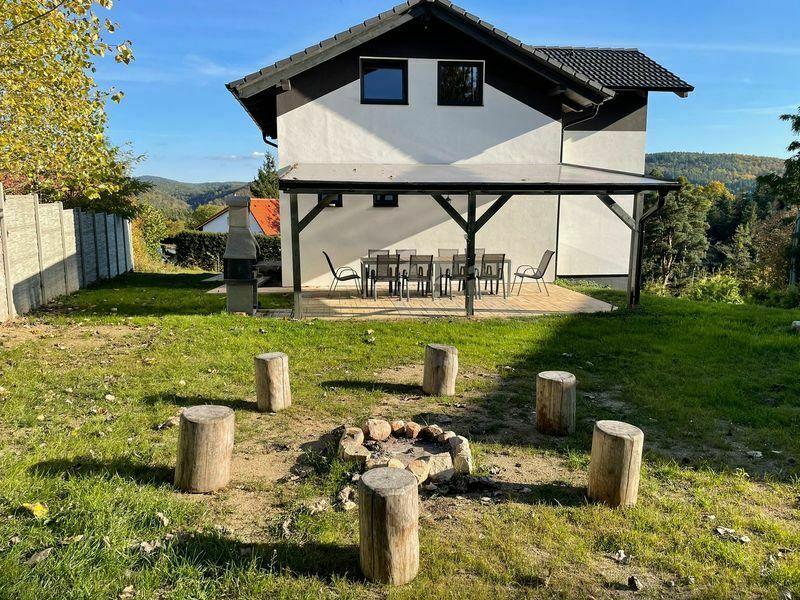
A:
517, 179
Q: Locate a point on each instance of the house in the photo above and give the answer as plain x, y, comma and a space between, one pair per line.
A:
428, 99
265, 218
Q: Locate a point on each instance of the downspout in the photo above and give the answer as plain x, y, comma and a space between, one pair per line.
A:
268, 142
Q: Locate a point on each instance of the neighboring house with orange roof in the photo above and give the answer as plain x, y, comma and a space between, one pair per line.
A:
265, 218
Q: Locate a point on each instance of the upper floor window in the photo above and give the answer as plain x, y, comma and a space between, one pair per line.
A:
384, 200
336, 202
460, 83
384, 81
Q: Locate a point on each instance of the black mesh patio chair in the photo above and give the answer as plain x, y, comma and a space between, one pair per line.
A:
536, 273
386, 269
420, 269
404, 256
458, 272
372, 252
342, 275
493, 272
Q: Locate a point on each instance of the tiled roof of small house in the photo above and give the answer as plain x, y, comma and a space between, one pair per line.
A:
267, 213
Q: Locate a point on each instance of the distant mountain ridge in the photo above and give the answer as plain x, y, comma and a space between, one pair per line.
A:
737, 171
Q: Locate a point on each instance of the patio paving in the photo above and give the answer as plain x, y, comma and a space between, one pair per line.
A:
531, 302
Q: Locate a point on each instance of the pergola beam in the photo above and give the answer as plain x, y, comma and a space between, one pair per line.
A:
312, 214
491, 211
448, 208
618, 210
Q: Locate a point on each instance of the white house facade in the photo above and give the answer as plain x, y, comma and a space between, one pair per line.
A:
429, 84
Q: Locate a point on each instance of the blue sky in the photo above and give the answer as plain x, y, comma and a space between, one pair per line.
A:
743, 58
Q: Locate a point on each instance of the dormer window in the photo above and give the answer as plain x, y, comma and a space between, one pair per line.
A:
384, 81
460, 83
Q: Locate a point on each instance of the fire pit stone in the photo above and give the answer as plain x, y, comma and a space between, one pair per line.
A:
429, 453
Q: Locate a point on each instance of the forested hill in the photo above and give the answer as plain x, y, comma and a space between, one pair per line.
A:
177, 197
737, 171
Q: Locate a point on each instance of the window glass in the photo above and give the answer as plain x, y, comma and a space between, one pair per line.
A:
460, 83
384, 200
384, 81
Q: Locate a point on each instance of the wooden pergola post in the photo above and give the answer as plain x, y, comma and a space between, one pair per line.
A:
296, 276
637, 246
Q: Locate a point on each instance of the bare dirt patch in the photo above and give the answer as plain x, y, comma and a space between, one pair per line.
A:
67, 337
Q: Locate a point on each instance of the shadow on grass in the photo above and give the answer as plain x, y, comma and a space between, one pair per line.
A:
325, 561
374, 386
144, 294
84, 466
197, 400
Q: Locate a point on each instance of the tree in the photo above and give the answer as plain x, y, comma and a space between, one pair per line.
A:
786, 189
675, 239
203, 213
739, 255
265, 184
52, 114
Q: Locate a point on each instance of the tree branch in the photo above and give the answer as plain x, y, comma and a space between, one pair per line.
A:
37, 17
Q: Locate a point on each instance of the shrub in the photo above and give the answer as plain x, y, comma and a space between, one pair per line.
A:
716, 288
778, 298
205, 250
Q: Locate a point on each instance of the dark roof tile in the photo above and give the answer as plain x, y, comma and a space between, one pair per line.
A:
618, 68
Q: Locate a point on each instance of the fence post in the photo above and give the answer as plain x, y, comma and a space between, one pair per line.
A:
79, 246
42, 285
9, 292
63, 249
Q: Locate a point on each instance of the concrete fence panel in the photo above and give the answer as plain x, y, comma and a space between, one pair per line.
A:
88, 249
111, 233
70, 228
46, 252
22, 253
51, 252
101, 245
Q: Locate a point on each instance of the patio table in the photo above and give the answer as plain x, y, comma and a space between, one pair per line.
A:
440, 263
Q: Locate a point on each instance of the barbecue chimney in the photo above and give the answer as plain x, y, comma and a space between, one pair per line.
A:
240, 258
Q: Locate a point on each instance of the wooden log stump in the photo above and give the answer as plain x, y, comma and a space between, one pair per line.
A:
555, 402
272, 382
205, 447
615, 463
441, 368
388, 522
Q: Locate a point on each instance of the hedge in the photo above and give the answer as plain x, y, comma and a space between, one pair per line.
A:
205, 250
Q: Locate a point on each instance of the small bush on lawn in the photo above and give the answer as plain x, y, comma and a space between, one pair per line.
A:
205, 250
716, 288
778, 298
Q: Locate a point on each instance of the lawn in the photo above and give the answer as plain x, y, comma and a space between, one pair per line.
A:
86, 383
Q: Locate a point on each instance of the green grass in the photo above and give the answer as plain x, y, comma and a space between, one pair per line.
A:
707, 383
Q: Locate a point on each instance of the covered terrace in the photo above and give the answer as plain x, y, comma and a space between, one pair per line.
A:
507, 182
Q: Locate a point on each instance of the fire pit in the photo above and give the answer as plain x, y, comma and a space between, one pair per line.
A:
428, 452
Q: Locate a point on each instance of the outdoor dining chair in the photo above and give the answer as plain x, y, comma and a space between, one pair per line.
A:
386, 269
535, 273
342, 275
404, 255
479, 252
420, 269
493, 272
458, 272
372, 252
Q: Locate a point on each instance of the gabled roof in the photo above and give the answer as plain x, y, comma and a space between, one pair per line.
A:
620, 68
266, 212
402, 13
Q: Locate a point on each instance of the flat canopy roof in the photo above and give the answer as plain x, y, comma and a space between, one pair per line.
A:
526, 179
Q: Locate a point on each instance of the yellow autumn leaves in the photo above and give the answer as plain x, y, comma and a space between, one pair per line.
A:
52, 115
